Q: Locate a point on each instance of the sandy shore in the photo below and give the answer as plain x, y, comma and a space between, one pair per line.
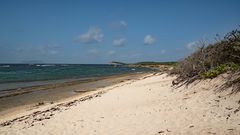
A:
28, 98
145, 106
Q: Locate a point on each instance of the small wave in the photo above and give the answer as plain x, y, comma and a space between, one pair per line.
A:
47, 65
64, 65
133, 69
44, 65
5, 66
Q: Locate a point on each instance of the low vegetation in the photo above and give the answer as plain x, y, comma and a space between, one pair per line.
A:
171, 63
212, 73
156, 63
211, 60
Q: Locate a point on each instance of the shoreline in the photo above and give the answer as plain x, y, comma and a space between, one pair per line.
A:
37, 96
145, 105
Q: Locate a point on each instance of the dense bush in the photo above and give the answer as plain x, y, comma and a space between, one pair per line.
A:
208, 61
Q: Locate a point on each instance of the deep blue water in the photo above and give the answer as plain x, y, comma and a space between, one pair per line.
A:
40, 72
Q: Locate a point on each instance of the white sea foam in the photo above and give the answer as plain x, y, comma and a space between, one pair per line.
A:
48, 65
45, 65
5, 66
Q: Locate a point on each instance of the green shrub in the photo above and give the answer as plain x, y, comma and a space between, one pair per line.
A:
219, 70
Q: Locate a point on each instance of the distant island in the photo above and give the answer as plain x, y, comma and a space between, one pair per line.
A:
163, 66
144, 63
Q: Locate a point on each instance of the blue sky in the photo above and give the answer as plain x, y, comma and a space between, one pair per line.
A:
100, 31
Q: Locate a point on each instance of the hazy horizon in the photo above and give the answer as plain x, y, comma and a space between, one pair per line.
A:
98, 32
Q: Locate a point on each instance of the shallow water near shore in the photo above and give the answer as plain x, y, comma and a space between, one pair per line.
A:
33, 84
55, 92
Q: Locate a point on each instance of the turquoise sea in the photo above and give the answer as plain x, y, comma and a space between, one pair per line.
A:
16, 75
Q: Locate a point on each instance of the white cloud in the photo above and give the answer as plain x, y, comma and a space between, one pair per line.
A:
93, 35
149, 40
119, 41
191, 45
119, 25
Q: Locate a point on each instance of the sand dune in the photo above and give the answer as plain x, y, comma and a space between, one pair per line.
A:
146, 106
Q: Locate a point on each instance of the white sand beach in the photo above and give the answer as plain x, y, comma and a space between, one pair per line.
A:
145, 106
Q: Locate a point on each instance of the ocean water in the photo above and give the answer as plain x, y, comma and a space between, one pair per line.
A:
23, 84
42, 72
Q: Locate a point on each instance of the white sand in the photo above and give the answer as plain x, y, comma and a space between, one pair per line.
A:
147, 106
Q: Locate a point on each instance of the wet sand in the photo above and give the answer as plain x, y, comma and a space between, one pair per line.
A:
32, 97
